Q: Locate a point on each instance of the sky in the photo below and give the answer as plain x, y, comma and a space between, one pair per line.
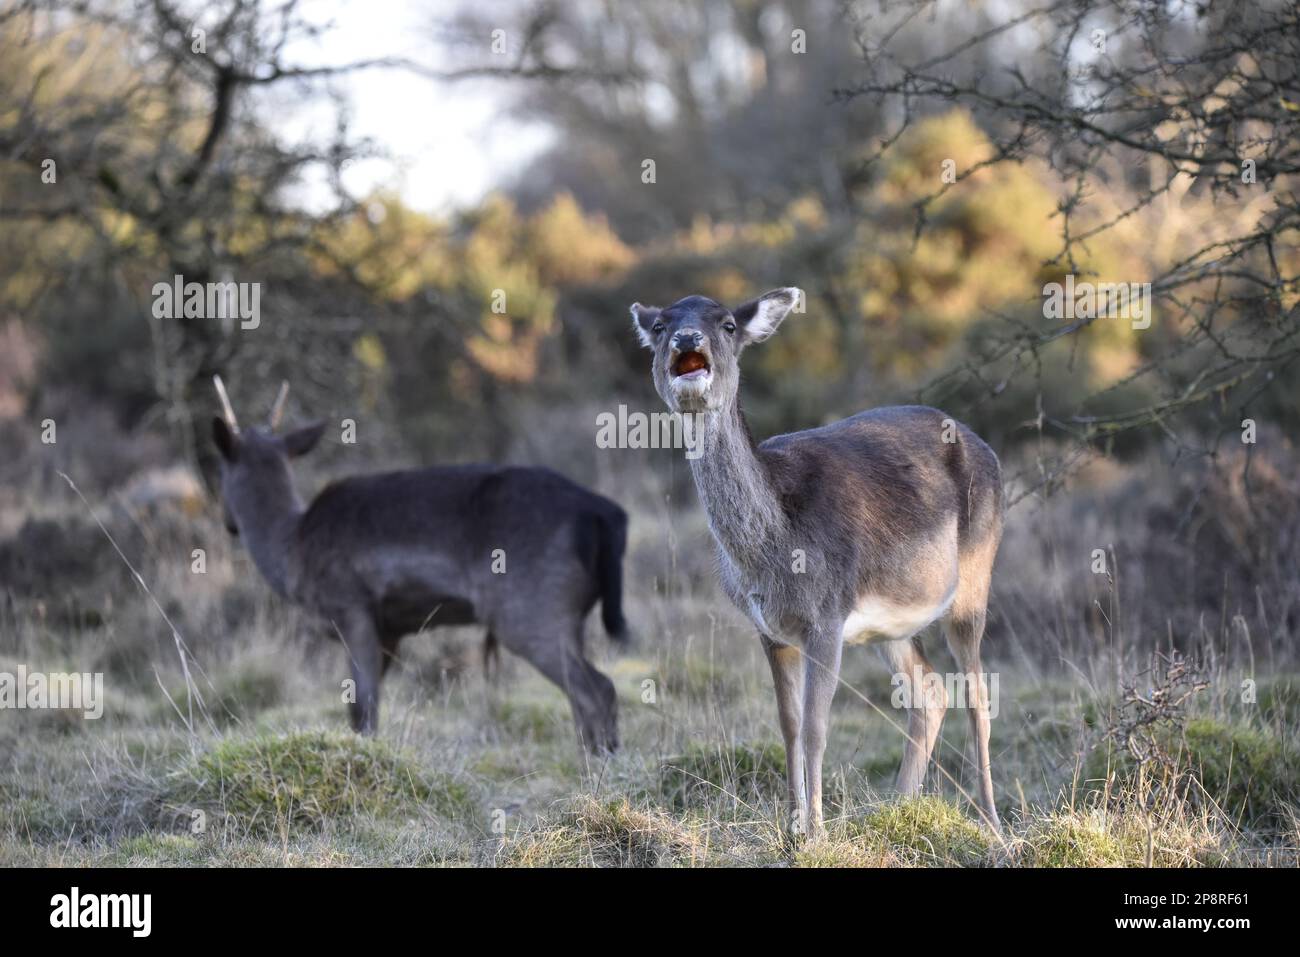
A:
450, 142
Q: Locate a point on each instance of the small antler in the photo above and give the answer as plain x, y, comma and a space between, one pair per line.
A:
226, 409
277, 410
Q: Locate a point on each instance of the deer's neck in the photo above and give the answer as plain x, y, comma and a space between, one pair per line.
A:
744, 512
269, 534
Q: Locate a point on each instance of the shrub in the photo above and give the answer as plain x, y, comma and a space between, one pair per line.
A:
1251, 775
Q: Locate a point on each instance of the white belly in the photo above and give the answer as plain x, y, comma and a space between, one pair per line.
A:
878, 619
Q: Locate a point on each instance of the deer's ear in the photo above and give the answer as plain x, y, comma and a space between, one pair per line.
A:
301, 441
643, 320
225, 439
759, 317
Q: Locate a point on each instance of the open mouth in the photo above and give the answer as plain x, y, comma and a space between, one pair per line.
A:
690, 365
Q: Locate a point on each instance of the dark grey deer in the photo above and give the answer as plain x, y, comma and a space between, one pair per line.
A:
524, 551
866, 530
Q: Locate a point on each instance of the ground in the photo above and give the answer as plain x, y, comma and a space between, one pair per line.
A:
471, 771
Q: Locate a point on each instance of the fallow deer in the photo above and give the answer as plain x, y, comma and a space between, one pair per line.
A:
525, 551
866, 530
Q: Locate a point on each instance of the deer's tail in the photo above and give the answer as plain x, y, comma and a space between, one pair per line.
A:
609, 568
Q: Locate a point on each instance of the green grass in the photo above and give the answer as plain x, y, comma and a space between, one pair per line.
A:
926, 831
310, 779
1173, 835
916, 832
739, 774
1252, 775
462, 773
610, 833
1249, 775
238, 696
1279, 701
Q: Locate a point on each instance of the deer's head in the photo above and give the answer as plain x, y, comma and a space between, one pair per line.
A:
255, 476
697, 344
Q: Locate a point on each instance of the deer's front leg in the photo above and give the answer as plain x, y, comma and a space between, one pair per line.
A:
821, 677
786, 663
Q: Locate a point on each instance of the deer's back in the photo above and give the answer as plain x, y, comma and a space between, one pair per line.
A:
868, 487
458, 499
423, 535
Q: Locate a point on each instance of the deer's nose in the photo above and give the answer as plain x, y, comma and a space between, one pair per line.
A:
687, 340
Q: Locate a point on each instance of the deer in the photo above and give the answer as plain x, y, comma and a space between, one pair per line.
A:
524, 551
863, 531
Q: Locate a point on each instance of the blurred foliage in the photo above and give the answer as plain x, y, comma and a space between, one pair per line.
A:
450, 332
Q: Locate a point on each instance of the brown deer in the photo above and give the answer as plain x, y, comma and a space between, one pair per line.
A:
524, 551
866, 530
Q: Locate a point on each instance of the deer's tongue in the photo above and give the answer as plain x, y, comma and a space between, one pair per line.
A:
688, 363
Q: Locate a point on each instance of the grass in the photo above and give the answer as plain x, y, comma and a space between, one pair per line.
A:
738, 774
309, 780
465, 772
1253, 775
611, 833
1170, 836
913, 832
926, 831
1248, 775
444, 785
470, 774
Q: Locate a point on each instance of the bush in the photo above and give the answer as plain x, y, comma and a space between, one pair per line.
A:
1252, 776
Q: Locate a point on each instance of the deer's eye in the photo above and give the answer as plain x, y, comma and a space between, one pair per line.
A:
657, 328
729, 326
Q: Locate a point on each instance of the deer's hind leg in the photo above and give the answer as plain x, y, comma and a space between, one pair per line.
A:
926, 703
964, 629
366, 656
963, 636
491, 658
556, 652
